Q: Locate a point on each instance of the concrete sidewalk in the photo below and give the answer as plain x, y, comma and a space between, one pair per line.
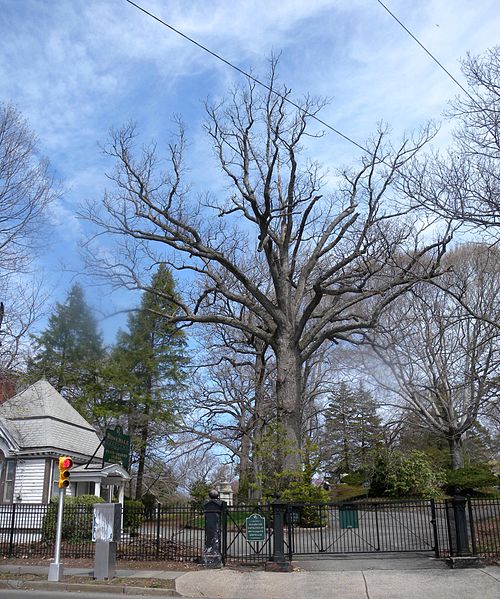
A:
342, 578
370, 584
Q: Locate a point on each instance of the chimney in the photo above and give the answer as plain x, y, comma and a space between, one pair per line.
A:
7, 386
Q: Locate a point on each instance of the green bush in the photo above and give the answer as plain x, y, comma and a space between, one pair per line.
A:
133, 516
199, 492
413, 475
469, 479
77, 519
399, 475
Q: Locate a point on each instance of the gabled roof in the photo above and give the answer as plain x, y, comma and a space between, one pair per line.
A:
96, 472
43, 421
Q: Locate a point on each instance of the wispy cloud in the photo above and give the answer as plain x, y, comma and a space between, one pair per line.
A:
76, 68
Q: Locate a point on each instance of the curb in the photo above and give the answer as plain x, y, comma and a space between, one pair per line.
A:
84, 587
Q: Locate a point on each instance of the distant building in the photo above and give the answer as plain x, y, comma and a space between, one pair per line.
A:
225, 492
37, 426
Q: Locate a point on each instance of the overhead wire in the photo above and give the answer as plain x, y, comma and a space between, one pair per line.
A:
249, 76
280, 95
428, 52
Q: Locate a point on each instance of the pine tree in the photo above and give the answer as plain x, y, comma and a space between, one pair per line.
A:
147, 370
352, 429
70, 353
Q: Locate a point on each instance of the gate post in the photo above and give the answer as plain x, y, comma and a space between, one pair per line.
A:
459, 533
213, 508
434, 528
279, 559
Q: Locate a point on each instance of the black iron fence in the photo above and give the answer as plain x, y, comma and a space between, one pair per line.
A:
253, 534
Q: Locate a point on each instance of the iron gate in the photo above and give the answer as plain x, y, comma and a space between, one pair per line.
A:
361, 527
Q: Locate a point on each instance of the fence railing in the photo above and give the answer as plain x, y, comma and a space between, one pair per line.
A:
177, 532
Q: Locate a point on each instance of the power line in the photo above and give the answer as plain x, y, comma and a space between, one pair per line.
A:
426, 51
249, 76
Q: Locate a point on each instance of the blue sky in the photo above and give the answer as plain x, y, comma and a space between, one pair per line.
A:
75, 68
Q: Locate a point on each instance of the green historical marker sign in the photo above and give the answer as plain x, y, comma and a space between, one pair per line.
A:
256, 528
116, 447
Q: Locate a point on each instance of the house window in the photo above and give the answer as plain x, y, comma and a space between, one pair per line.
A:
8, 485
7, 475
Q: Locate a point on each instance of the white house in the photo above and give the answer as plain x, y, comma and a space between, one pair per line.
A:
37, 426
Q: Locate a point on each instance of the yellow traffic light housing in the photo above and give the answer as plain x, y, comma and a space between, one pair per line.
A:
65, 463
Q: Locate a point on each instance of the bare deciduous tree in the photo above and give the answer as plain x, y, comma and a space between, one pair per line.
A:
26, 190
443, 358
465, 184
303, 261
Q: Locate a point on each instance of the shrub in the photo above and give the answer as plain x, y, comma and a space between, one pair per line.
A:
467, 480
414, 476
400, 475
77, 519
133, 515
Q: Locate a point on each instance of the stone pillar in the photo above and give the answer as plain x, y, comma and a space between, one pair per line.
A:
212, 553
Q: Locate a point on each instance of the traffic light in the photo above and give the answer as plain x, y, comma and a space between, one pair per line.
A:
65, 464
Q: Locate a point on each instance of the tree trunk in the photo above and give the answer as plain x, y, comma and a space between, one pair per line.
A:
288, 397
259, 414
245, 468
142, 453
456, 451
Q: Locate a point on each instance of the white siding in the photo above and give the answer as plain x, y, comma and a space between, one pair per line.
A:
29, 481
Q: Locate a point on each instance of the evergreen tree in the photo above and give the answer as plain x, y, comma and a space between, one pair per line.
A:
352, 429
70, 353
146, 370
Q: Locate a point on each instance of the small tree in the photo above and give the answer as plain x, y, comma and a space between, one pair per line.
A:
293, 485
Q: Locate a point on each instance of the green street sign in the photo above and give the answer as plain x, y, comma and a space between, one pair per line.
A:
116, 447
256, 528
